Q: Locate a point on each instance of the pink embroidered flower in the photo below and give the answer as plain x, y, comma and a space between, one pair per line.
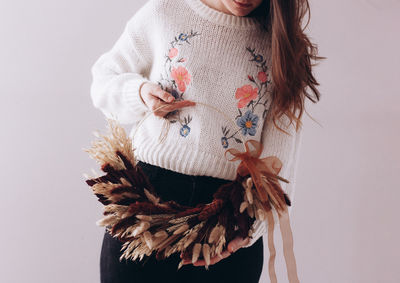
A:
181, 77
172, 53
262, 76
245, 94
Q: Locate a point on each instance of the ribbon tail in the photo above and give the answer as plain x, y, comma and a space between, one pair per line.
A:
271, 247
287, 239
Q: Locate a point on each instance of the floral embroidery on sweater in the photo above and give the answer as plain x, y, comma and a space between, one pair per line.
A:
249, 96
176, 79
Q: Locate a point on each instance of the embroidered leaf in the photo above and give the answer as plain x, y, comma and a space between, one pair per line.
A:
238, 140
227, 132
240, 114
250, 103
173, 121
264, 113
223, 130
250, 50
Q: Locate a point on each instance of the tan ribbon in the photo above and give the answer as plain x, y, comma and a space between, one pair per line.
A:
264, 173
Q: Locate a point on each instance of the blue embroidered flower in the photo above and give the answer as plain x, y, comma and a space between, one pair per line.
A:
258, 58
185, 130
183, 36
248, 123
224, 142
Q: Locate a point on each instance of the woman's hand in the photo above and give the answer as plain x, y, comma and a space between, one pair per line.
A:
153, 97
233, 246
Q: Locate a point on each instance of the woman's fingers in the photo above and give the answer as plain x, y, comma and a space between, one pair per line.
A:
150, 91
154, 97
180, 104
232, 247
163, 95
169, 107
213, 260
237, 243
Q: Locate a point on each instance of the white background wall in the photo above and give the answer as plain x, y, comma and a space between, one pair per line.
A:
344, 217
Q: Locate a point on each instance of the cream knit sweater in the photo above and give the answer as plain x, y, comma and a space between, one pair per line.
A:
196, 53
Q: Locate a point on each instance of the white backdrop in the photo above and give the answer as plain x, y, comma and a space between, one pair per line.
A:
344, 217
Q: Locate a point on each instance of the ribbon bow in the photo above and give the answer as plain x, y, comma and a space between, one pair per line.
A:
264, 173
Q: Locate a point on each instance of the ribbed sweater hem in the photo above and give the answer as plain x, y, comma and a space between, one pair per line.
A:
184, 159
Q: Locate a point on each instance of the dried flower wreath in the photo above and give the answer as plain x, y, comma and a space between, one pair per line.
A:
135, 215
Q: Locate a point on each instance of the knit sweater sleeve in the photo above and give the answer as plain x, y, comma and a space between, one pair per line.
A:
287, 149
118, 74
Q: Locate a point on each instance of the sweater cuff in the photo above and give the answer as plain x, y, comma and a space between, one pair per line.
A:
260, 228
132, 97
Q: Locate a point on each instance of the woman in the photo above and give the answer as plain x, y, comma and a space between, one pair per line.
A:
249, 59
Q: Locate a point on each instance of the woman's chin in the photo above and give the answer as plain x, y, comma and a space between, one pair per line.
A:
241, 11
238, 12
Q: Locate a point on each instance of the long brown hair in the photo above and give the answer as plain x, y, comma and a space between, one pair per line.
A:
292, 52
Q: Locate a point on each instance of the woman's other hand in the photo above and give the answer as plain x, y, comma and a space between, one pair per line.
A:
233, 246
154, 97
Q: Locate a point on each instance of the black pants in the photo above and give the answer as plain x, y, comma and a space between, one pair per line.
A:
243, 266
